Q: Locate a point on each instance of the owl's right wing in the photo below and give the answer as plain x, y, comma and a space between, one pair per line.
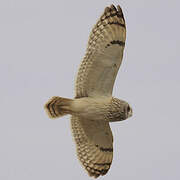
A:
94, 144
98, 70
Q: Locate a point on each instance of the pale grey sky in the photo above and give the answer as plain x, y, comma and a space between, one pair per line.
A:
41, 45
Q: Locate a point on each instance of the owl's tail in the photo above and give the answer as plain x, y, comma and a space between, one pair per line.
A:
58, 107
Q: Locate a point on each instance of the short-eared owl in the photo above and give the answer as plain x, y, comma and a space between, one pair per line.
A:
93, 106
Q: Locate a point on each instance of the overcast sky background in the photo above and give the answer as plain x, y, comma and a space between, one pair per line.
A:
41, 45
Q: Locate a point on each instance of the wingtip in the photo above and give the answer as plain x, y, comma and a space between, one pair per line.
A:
113, 7
96, 175
119, 9
107, 9
93, 175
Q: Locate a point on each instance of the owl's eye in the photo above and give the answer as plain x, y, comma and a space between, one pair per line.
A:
128, 109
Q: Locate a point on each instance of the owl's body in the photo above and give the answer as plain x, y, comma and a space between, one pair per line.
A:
93, 106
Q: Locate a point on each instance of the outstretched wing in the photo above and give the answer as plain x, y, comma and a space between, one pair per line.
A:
94, 144
104, 54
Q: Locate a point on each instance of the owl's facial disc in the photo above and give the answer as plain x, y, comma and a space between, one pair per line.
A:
129, 111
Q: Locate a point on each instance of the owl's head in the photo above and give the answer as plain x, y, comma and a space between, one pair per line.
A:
127, 111
121, 110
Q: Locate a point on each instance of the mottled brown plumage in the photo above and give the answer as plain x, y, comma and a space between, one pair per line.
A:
104, 54
93, 106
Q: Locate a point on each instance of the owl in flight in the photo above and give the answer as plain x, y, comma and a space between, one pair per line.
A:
93, 106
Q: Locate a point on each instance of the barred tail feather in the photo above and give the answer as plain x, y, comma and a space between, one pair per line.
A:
58, 107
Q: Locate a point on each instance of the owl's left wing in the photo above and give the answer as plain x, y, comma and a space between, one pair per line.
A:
104, 54
94, 144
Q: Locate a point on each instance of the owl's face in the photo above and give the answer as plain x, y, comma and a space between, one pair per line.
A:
127, 111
